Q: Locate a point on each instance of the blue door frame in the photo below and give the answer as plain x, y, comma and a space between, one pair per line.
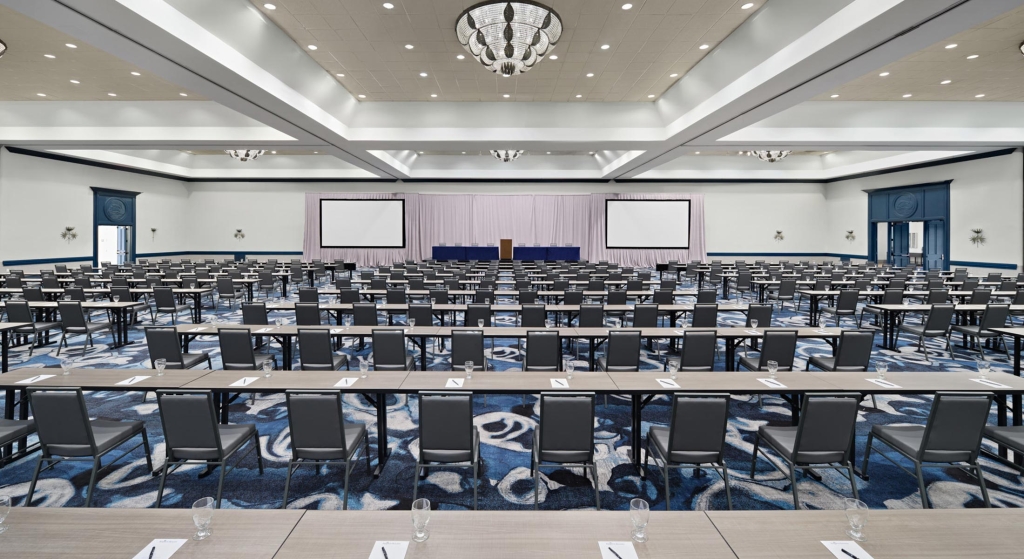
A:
920, 202
112, 207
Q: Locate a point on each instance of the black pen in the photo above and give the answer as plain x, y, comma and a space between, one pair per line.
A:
152, 550
384, 551
840, 549
613, 553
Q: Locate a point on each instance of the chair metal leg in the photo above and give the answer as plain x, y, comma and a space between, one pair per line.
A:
145, 445
867, 454
92, 481
725, 478
259, 453
476, 475
853, 484
597, 487
287, 484
32, 486
981, 483
921, 486
668, 490
753, 455
348, 470
536, 486
416, 481
792, 480
220, 484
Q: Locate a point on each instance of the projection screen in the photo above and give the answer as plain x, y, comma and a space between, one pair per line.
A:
362, 223
647, 224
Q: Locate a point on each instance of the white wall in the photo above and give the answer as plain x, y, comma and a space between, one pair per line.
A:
985, 193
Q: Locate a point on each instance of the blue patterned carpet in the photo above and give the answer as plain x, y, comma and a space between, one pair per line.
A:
507, 430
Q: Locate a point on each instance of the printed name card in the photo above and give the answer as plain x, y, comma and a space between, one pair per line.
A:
991, 383
772, 383
883, 383
34, 379
346, 382
454, 383
244, 381
618, 550
389, 550
559, 383
847, 550
133, 380
667, 383
160, 549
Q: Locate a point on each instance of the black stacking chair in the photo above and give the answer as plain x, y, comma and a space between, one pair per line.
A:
937, 324
543, 351
564, 437
13, 429
447, 435
786, 292
891, 297
166, 303
389, 351
193, 434
533, 316
823, 439
994, 316
778, 346
846, 305
307, 314
320, 434
226, 290
309, 295
468, 345
695, 436
705, 316
66, 434
950, 438
20, 311
853, 353
315, 351
348, 295
72, 319
236, 351
623, 352
707, 296
163, 344
698, 351
476, 312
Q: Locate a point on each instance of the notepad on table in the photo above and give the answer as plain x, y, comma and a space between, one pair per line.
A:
883, 383
133, 380
667, 383
772, 383
854, 550
244, 381
559, 383
164, 549
618, 550
988, 382
34, 379
346, 382
389, 550
454, 383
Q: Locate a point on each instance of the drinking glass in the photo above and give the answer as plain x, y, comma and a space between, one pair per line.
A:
673, 368
487, 300
821, 323
281, 322
160, 365
773, 368
856, 513
753, 323
882, 367
479, 323
65, 365
117, 298
570, 367
202, 514
639, 514
412, 323
348, 320
364, 366
5, 509
984, 368
420, 519
548, 323
468, 366
268, 366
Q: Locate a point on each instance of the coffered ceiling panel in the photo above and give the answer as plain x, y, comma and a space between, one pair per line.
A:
986, 61
364, 45
43, 64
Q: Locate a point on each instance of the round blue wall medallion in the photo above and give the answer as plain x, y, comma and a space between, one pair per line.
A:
115, 209
905, 205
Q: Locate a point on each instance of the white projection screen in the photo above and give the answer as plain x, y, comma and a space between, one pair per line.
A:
647, 224
362, 223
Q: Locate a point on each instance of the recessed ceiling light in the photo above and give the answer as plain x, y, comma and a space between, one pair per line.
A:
423, 74
834, 95
136, 74
389, 6
463, 153
112, 94
696, 153
506, 96
553, 57
590, 75
883, 74
605, 47
49, 56
979, 96
626, 6
316, 152
183, 94
76, 82
650, 96
951, 46
579, 96
945, 82
71, 45
410, 47
41, 94
673, 75
340, 75
461, 57
549, 153
905, 95
972, 57
591, 153
747, 6
704, 47
311, 47
421, 153
274, 152
361, 96
433, 95
270, 6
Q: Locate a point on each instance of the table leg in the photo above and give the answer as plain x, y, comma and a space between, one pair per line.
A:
423, 353
224, 401
249, 288
5, 341
730, 354
1017, 398
9, 414
635, 430
383, 451
286, 352
591, 356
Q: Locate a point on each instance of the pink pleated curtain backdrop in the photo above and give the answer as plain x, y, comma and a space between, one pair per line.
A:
432, 219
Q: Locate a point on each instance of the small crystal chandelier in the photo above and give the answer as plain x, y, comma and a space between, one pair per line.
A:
245, 154
770, 155
509, 37
506, 155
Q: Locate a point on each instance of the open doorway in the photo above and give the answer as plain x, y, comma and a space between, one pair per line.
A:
113, 244
912, 243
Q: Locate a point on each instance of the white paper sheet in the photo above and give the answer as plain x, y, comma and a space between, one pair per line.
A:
681, 332
454, 383
754, 332
619, 550
822, 332
395, 550
667, 383
34, 379
164, 549
133, 380
559, 383
197, 329
837, 547
263, 330
883, 383
346, 382
336, 330
772, 383
244, 381
988, 382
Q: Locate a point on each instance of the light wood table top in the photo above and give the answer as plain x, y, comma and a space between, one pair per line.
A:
512, 382
279, 381
737, 382
105, 533
502, 534
105, 379
920, 382
907, 534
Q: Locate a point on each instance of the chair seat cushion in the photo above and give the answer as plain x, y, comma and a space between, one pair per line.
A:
340, 360
354, 433
231, 438
659, 436
749, 364
905, 438
565, 456
410, 365
175, 308
782, 439
916, 329
1010, 436
107, 434
192, 359
12, 429
38, 327
445, 456
823, 363
90, 327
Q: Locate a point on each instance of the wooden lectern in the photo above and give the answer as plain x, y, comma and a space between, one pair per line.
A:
505, 249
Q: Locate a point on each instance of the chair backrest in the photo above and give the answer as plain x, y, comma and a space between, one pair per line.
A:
778, 346
761, 313
190, 424
787, 287
395, 296
62, 421
316, 424
50, 282
566, 429
573, 297
468, 345
663, 297
421, 313
935, 296
527, 297
446, 423
826, 428
71, 314
484, 296
707, 296
225, 286
533, 315
163, 344
591, 316
645, 316
308, 295
634, 285
19, 311
13, 282
348, 296
847, 300
343, 283
697, 428
365, 314
164, 297
315, 349
254, 313
954, 428
617, 297
35, 294
939, 319
994, 316
476, 312
389, 350
980, 297
705, 315
623, 350
698, 353
236, 349
543, 351
307, 314
854, 352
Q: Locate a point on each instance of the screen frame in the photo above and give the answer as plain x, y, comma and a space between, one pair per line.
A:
405, 241
689, 224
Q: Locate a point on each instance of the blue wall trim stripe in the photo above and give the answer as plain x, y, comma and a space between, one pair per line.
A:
996, 265
790, 254
47, 261
217, 252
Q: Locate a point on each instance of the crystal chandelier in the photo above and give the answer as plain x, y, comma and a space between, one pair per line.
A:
509, 37
506, 155
245, 154
770, 155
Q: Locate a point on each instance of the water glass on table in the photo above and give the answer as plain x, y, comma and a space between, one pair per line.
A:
364, 366
202, 516
479, 323
639, 515
420, 519
984, 368
881, 367
856, 514
160, 365
773, 369
673, 368
412, 323
570, 367
753, 323
268, 366
468, 367
548, 323
65, 365
821, 323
